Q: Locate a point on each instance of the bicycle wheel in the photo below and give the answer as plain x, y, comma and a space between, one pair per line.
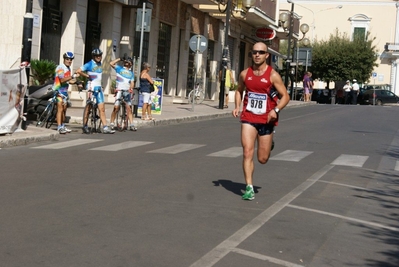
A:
121, 118
52, 117
97, 124
45, 115
88, 111
199, 96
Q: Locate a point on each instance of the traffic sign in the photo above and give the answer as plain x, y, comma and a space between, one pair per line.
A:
374, 75
198, 43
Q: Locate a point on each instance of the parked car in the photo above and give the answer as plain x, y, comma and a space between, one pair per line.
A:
321, 96
377, 97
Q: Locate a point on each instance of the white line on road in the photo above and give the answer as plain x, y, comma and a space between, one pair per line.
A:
71, 143
265, 258
176, 149
378, 225
231, 152
221, 250
121, 146
397, 166
350, 160
292, 155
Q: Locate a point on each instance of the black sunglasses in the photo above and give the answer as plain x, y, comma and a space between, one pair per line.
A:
67, 58
261, 52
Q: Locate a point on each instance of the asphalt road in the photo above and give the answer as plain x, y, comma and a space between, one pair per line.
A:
171, 195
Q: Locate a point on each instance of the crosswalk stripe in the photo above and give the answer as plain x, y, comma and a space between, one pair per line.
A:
176, 149
291, 155
121, 146
397, 166
232, 152
66, 144
350, 160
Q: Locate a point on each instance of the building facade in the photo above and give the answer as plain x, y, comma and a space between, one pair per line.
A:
112, 25
379, 18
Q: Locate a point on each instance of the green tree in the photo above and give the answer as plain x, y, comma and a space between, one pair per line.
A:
339, 58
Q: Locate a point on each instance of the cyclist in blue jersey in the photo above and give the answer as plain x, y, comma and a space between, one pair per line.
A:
93, 71
124, 85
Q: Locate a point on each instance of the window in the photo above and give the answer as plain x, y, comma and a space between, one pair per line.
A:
360, 24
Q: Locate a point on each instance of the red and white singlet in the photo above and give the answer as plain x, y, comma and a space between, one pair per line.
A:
257, 101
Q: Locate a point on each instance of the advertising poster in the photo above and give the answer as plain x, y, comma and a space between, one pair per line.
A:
156, 98
12, 91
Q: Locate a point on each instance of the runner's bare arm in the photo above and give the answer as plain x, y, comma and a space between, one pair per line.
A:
239, 92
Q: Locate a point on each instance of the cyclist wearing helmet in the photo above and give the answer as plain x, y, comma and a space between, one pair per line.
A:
93, 71
62, 77
124, 85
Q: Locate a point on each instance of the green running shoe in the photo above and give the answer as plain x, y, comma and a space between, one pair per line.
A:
249, 194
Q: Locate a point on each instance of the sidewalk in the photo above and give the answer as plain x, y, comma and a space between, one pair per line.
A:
171, 114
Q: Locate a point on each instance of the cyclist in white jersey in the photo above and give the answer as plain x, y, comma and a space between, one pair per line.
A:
93, 71
124, 85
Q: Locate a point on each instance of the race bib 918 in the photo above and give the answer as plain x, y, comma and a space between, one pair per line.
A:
257, 103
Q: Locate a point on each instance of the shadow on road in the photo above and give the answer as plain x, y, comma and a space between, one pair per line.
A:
236, 188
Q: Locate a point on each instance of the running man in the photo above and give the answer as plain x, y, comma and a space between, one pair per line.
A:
260, 111
93, 71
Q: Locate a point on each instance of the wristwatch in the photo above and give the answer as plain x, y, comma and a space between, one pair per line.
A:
277, 110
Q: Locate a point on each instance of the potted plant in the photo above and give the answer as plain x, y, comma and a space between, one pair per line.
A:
42, 71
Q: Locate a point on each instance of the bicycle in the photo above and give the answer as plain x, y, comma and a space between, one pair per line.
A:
122, 121
90, 110
50, 112
198, 94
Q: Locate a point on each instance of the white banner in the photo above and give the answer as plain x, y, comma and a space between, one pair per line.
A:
12, 91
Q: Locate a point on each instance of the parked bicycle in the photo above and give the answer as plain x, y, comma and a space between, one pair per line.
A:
90, 113
197, 94
50, 112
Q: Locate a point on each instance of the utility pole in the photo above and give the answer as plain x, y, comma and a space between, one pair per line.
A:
288, 61
225, 55
26, 50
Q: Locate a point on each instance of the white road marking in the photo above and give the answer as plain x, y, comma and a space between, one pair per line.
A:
176, 149
397, 166
231, 152
291, 155
350, 160
378, 225
221, 250
265, 258
66, 144
121, 146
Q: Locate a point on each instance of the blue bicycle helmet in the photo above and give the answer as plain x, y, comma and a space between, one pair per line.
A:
69, 55
96, 52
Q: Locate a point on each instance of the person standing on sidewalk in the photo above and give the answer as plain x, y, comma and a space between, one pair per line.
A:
347, 90
146, 87
62, 77
228, 84
125, 85
93, 70
355, 91
260, 111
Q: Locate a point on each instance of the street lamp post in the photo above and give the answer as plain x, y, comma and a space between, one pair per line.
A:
290, 26
225, 53
288, 61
